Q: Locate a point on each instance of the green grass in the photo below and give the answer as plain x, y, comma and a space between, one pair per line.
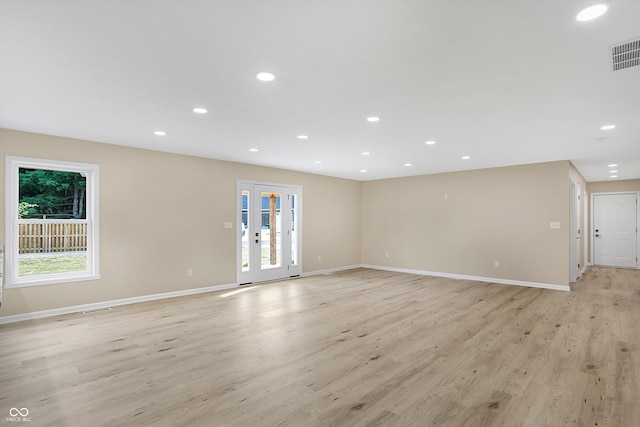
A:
51, 264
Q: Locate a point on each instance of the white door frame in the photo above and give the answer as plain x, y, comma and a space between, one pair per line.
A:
592, 225
585, 238
253, 274
575, 233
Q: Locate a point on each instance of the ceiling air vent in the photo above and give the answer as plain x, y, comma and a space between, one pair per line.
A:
625, 55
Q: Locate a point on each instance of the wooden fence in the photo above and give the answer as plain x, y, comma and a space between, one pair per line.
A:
46, 235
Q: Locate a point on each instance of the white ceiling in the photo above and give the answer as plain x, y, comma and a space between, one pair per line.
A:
506, 82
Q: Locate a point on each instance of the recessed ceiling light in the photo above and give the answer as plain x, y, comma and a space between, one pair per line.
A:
592, 12
317, 162
407, 164
366, 153
265, 76
466, 157
430, 142
303, 136
608, 127
199, 110
363, 170
373, 119
612, 165
160, 133
614, 171
613, 176
253, 150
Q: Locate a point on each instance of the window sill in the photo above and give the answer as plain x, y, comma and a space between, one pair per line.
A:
47, 280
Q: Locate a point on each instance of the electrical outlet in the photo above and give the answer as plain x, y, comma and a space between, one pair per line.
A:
319, 257
386, 255
496, 264
190, 272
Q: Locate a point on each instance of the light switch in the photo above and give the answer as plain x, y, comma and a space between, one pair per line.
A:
554, 225
228, 225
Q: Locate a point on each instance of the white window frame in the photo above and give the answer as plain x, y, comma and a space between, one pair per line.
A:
91, 171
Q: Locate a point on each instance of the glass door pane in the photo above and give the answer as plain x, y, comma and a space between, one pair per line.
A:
246, 203
271, 230
294, 230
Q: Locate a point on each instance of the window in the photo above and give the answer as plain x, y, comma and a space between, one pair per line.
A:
51, 222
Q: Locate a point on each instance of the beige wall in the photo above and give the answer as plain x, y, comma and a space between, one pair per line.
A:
488, 215
161, 214
614, 186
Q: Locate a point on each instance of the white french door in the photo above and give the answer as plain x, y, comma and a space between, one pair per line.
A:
615, 230
269, 240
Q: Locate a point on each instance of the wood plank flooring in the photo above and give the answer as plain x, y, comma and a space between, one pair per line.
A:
355, 348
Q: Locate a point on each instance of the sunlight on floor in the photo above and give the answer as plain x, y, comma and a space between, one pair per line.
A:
228, 294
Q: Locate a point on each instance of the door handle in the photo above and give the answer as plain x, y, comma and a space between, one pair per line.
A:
257, 241
597, 235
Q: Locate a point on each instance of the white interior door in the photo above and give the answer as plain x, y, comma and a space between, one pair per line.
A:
615, 230
269, 236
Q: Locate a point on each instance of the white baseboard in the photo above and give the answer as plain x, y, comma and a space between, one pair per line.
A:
476, 278
106, 304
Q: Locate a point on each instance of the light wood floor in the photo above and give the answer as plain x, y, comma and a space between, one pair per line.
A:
355, 348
